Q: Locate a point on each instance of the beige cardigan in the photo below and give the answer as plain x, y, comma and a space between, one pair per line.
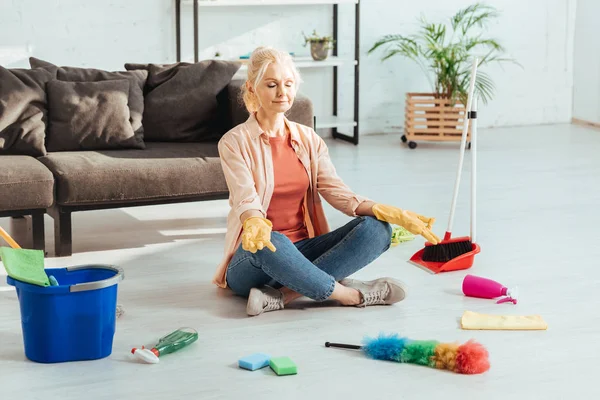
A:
246, 159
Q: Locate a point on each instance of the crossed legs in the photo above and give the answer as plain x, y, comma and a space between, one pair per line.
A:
313, 267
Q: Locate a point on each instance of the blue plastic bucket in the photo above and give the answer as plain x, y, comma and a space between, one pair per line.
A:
74, 321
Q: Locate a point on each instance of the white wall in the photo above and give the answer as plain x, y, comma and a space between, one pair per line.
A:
586, 85
101, 34
538, 33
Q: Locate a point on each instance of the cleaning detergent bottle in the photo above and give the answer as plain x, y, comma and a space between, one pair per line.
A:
475, 286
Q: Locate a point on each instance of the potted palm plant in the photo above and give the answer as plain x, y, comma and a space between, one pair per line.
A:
445, 53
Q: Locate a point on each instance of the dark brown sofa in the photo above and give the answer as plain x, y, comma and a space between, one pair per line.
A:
172, 171
26, 189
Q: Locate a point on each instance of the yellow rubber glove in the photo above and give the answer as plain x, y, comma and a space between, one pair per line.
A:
257, 234
414, 223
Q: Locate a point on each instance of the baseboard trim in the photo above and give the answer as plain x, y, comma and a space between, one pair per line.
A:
583, 122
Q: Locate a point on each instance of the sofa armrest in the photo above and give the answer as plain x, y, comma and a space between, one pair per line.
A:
301, 112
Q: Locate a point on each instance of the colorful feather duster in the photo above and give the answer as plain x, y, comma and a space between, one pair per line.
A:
468, 358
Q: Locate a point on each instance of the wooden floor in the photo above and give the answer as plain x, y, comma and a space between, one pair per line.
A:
538, 221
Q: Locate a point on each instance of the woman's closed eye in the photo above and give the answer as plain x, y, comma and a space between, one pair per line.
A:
272, 85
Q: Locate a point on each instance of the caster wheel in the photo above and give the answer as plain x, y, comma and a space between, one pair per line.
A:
404, 139
412, 145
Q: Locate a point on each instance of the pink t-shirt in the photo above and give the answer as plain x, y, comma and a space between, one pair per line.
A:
247, 163
286, 210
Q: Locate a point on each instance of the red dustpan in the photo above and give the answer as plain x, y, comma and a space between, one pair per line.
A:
465, 260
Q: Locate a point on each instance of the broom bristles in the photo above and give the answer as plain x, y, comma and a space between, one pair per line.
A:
444, 252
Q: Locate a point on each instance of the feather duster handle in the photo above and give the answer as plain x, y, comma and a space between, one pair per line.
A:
468, 358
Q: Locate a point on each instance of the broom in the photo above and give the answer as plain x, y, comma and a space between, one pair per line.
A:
468, 358
450, 248
11, 242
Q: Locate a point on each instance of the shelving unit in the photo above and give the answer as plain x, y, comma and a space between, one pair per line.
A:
334, 121
305, 63
220, 3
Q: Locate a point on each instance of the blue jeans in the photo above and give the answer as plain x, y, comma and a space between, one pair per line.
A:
312, 266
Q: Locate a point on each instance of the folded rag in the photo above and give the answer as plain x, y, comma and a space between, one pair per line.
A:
473, 320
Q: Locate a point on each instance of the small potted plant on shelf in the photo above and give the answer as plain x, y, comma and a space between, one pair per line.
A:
320, 46
446, 53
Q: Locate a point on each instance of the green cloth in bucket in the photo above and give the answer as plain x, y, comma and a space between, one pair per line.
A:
25, 265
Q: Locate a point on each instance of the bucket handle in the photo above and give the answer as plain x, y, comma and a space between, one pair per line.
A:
82, 287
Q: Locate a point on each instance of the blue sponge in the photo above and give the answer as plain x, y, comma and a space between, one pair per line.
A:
254, 361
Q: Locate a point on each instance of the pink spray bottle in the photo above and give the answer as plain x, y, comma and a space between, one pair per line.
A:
475, 286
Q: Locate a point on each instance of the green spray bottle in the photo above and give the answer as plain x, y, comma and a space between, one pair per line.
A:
170, 343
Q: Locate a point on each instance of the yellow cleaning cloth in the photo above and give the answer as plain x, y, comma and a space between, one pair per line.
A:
473, 320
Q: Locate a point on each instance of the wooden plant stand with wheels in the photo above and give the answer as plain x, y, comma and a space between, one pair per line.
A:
429, 117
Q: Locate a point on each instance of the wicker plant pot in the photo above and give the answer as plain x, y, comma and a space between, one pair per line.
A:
429, 117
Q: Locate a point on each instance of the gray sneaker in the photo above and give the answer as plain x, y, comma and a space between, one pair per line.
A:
379, 291
264, 299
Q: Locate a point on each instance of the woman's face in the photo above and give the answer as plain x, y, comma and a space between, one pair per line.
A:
277, 89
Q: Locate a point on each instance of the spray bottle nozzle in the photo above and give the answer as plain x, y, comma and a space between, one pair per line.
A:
511, 296
145, 355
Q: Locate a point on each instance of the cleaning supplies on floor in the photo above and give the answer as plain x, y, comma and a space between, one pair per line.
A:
283, 366
254, 361
73, 321
452, 254
484, 288
467, 358
476, 321
401, 235
170, 343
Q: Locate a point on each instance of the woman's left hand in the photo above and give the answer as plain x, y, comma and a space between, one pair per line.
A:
415, 223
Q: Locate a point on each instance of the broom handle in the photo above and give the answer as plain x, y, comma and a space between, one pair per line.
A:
8, 239
463, 141
473, 167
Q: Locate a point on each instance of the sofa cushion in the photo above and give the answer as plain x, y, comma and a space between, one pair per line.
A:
25, 183
23, 111
137, 80
138, 66
182, 101
89, 116
162, 171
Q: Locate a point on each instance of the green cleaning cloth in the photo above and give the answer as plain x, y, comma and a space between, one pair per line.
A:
401, 234
25, 265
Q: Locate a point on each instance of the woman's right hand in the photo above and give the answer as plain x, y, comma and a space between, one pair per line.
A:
256, 234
